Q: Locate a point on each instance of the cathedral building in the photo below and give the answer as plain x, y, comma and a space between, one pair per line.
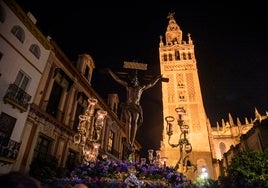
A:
43, 94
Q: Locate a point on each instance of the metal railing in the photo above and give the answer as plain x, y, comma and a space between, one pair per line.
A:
9, 149
17, 97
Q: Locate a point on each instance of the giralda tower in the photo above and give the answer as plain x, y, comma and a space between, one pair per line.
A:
178, 64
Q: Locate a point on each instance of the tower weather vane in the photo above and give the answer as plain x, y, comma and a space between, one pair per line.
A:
132, 110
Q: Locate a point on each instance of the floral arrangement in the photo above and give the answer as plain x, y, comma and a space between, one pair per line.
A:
109, 173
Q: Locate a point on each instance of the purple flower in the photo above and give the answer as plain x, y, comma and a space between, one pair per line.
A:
105, 169
178, 179
124, 167
169, 175
92, 165
114, 172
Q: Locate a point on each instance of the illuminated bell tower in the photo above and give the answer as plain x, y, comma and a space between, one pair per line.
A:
178, 64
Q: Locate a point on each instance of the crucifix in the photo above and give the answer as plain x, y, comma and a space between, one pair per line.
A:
132, 110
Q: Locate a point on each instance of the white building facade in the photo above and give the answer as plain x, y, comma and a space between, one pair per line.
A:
24, 51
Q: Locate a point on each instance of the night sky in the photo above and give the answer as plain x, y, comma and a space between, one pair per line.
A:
230, 47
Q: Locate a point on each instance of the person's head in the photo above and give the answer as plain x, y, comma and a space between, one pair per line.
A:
80, 185
18, 180
57, 183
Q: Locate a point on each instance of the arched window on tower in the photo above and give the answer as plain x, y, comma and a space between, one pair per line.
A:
180, 84
184, 56
181, 96
177, 55
170, 57
165, 57
179, 78
189, 55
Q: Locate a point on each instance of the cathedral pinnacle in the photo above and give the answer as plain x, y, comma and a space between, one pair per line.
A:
171, 15
189, 39
161, 41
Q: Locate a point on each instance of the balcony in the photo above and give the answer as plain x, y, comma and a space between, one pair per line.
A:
9, 150
17, 97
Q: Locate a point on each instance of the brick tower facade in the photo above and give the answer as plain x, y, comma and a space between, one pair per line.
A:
178, 64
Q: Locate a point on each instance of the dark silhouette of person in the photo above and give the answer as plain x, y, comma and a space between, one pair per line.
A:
16, 179
132, 110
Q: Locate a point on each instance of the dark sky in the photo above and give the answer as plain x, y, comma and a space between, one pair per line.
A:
230, 46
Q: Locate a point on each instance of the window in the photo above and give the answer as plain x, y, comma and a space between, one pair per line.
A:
86, 72
110, 141
184, 56
7, 124
165, 57
181, 96
42, 148
180, 84
170, 57
179, 78
35, 50
16, 94
18, 32
54, 99
189, 55
1, 55
22, 80
2, 14
79, 111
177, 55
71, 160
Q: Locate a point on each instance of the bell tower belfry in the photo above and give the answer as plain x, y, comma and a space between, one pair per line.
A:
178, 64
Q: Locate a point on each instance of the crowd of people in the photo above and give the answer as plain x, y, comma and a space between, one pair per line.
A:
16, 179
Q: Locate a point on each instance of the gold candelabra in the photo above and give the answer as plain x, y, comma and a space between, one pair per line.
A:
184, 145
89, 131
156, 160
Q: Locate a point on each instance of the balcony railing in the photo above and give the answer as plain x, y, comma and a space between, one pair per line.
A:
9, 151
17, 97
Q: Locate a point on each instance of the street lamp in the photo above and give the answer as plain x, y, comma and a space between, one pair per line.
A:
183, 142
89, 130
